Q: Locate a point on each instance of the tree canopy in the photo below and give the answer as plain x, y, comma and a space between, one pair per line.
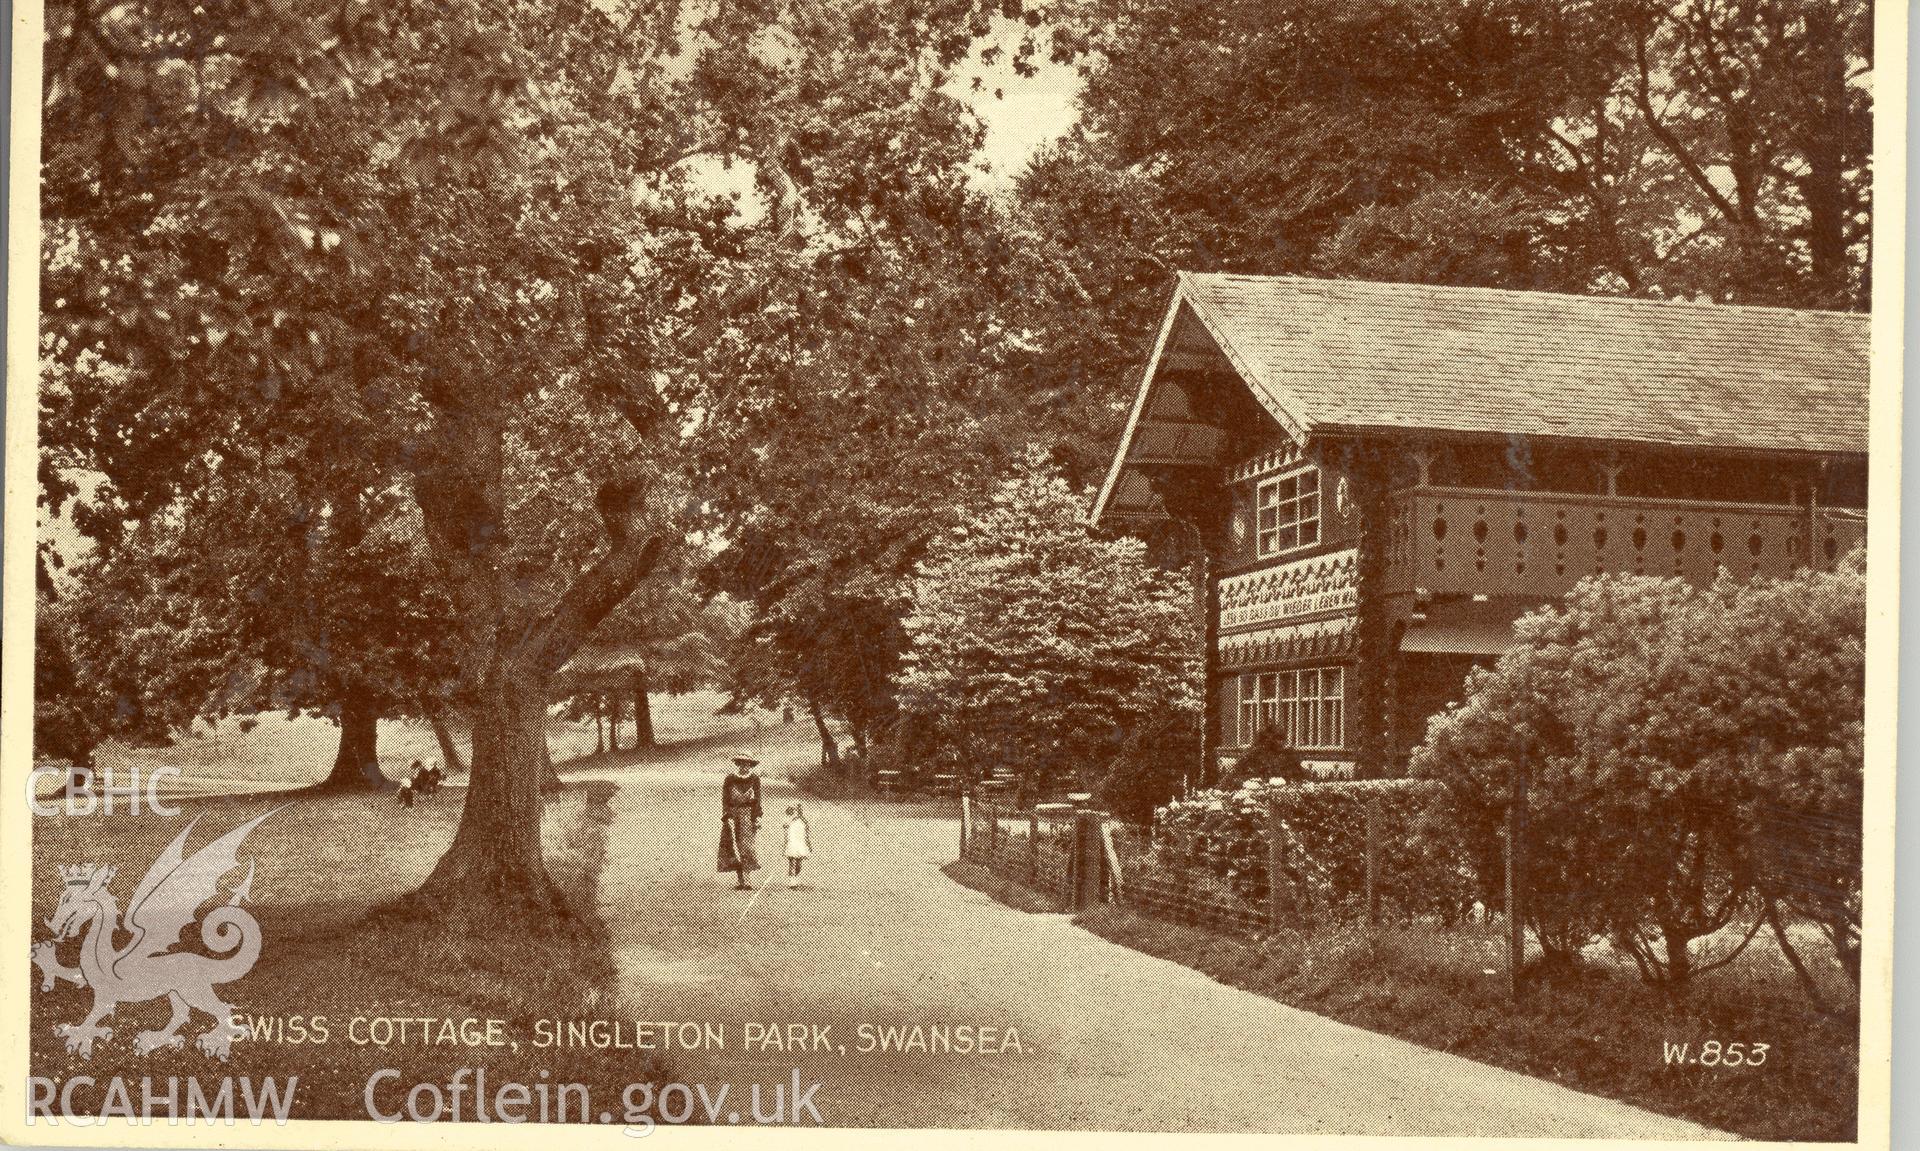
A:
1643, 146
433, 254
1037, 647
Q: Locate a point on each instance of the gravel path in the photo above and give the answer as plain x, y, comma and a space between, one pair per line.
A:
1087, 1034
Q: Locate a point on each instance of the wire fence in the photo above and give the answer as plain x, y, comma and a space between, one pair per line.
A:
1151, 880
1214, 875
1347, 860
1034, 847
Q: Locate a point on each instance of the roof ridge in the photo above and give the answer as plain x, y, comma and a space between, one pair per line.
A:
1464, 289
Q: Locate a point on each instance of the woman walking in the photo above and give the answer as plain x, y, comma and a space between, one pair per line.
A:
740, 820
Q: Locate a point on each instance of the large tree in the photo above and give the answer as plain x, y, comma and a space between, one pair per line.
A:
450, 244
248, 597
1715, 147
1039, 647
123, 648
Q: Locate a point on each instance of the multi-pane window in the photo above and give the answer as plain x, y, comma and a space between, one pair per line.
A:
1308, 704
1289, 512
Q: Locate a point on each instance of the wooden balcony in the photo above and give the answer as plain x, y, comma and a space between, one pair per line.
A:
1452, 541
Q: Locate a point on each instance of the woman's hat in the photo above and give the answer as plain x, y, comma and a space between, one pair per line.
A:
745, 760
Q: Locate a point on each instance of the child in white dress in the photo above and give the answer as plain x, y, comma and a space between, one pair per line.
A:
799, 843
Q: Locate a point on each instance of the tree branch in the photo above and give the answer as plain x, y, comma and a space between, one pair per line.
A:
1759, 921
1642, 99
554, 640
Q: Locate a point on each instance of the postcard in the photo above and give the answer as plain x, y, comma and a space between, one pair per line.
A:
993, 570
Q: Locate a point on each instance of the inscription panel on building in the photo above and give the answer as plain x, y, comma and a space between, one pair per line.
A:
1297, 590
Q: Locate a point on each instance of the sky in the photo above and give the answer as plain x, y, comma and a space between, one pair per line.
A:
1027, 114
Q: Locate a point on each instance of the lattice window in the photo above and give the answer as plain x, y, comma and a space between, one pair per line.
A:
1330, 706
1308, 704
1289, 512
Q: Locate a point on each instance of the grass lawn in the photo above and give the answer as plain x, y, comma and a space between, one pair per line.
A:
275, 752
321, 864
1599, 1029
987, 882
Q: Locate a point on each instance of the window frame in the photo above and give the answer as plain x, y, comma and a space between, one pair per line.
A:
1310, 703
1306, 488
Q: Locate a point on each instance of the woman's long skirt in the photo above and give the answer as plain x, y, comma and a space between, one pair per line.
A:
736, 841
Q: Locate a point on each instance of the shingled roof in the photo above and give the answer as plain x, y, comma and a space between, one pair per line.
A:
1351, 356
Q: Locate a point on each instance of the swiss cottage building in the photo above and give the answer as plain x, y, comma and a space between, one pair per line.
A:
1382, 477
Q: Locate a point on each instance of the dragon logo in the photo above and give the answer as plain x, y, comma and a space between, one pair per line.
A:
163, 905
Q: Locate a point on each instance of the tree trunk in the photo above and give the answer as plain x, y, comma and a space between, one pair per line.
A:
549, 778
1679, 958
449, 750
495, 862
599, 728
829, 751
1792, 954
1823, 186
613, 721
1846, 946
494, 874
356, 765
642, 711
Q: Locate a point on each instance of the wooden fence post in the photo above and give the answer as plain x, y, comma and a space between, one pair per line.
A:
1276, 864
1089, 859
1516, 877
1113, 861
1033, 848
1373, 863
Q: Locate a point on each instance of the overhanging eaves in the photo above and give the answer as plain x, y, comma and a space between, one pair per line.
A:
1161, 429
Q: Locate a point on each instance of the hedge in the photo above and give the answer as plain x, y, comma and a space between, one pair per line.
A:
1225, 834
1418, 873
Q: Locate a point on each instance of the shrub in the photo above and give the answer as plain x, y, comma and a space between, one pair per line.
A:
1269, 756
1669, 732
1152, 767
1218, 833
1326, 860
1224, 834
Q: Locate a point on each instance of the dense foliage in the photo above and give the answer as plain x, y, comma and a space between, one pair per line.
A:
1689, 751
1645, 146
1158, 761
1220, 833
480, 261
1039, 647
1228, 834
117, 652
